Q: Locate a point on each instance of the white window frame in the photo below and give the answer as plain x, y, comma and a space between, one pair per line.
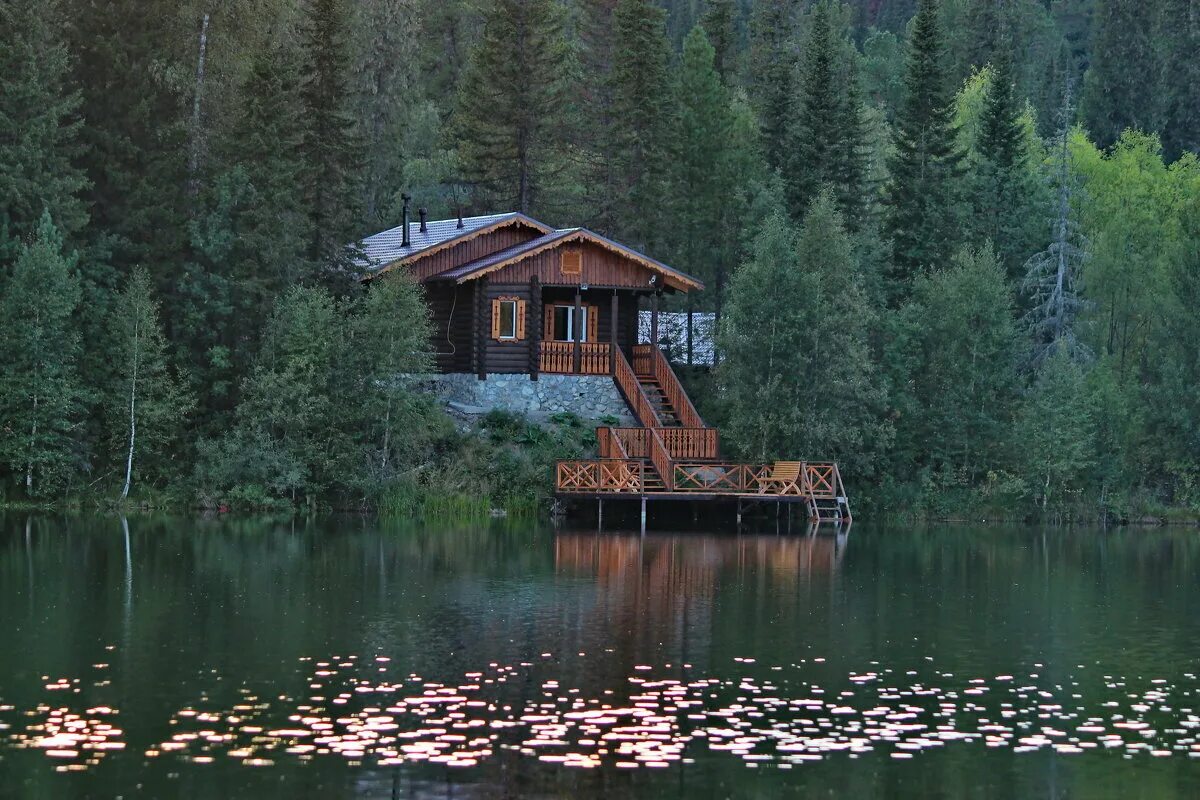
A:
513, 319
583, 317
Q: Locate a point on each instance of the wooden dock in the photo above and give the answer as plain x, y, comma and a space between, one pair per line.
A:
675, 456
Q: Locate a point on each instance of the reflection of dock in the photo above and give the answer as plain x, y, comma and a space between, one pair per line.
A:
697, 560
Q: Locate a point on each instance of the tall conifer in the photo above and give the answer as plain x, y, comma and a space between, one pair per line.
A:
512, 117
816, 128
772, 74
39, 129
720, 24
331, 144
636, 150
1120, 88
925, 168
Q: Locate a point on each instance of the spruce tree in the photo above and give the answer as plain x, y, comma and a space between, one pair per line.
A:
798, 375
720, 24
1120, 90
41, 397
599, 40
1179, 38
1004, 189
331, 144
816, 129
39, 129
702, 181
636, 149
145, 404
512, 116
854, 189
772, 68
925, 170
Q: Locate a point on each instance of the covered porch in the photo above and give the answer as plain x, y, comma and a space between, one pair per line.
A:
589, 331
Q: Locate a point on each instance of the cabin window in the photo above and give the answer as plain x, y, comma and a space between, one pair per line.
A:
508, 319
562, 318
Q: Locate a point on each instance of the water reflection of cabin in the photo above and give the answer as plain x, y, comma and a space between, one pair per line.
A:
511, 295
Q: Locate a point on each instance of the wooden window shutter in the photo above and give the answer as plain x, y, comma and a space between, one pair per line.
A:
521, 320
572, 262
593, 323
496, 319
548, 326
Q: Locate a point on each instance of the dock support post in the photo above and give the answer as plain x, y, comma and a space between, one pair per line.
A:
739, 514
600, 513
643, 515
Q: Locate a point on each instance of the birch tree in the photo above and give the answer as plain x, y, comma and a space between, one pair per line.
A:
147, 403
41, 399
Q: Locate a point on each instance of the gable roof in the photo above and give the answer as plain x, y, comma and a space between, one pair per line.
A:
386, 249
512, 255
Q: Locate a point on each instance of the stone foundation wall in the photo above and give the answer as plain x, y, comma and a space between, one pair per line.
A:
590, 397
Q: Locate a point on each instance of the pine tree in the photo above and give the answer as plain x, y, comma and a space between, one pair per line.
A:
854, 188
1004, 187
637, 143
772, 68
792, 306
1053, 276
702, 180
1120, 90
41, 398
39, 130
513, 114
134, 142
386, 74
599, 40
720, 24
816, 130
146, 404
925, 169
1179, 37
331, 144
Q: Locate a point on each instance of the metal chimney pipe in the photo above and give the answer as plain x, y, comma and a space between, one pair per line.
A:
423, 213
404, 241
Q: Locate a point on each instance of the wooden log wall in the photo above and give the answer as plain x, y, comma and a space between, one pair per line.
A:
451, 311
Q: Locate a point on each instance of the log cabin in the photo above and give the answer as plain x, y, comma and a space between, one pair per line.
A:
511, 297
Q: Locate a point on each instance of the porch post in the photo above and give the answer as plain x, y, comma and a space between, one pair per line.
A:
577, 334
654, 319
535, 327
614, 321
482, 326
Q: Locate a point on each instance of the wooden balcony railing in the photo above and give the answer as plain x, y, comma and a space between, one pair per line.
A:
628, 476
618, 476
681, 443
559, 358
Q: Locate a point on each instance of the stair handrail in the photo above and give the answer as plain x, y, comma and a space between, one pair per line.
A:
674, 390
661, 459
632, 389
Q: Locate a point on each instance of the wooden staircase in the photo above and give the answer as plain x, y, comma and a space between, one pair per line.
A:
664, 409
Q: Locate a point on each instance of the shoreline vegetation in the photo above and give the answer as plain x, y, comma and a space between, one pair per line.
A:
952, 245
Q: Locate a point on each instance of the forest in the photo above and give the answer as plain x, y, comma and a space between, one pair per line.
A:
953, 245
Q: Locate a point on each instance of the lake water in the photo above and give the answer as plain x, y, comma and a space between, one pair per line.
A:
249, 658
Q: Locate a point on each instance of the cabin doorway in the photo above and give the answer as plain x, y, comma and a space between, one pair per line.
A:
563, 323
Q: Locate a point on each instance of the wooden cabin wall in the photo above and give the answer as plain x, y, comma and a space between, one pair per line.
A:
485, 244
601, 267
509, 357
451, 313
